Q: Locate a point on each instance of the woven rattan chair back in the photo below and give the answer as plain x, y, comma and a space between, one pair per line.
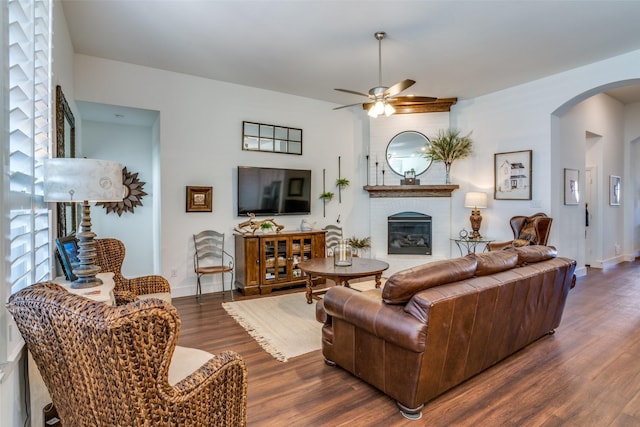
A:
210, 257
110, 255
106, 366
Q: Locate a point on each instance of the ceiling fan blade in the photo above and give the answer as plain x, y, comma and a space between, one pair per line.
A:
352, 92
346, 106
399, 87
412, 100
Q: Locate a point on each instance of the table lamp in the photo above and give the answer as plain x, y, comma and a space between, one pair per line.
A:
477, 201
83, 181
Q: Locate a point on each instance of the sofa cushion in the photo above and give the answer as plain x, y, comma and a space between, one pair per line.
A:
401, 286
495, 262
534, 253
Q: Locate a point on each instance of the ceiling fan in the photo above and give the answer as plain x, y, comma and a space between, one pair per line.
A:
383, 98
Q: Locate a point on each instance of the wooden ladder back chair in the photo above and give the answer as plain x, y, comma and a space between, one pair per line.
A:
210, 257
332, 237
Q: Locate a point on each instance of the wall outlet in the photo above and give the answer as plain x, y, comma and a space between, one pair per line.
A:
174, 272
616, 248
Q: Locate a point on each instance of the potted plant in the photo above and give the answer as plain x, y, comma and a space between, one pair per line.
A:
266, 227
342, 183
359, 244
327, 196
448, 146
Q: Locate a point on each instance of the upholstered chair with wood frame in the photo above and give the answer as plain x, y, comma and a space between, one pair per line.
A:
332, 237
119, 365
527, 230
110, 255
210, 257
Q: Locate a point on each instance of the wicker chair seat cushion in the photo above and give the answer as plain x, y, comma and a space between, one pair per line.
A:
164, 296
186, 361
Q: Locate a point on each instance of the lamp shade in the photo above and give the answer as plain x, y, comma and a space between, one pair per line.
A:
475, 200
78, 180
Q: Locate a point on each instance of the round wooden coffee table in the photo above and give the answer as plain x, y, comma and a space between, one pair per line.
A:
324, 267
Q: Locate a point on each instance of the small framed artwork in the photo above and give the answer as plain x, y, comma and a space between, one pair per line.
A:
614, 190
512, 177
295, 187
199, 199
68, 255
571, 189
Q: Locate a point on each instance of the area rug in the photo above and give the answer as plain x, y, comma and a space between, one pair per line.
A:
284, 325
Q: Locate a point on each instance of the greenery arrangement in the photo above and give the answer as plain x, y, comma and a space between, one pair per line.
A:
265, 226
327, 195
359, 243
448, 146
342, 182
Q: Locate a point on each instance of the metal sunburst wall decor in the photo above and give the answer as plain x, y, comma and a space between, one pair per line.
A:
133, 194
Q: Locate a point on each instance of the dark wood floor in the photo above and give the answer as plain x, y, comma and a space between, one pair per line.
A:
587, 374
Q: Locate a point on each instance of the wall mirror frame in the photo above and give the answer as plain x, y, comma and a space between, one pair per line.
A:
65, 147
405, 152
271, 138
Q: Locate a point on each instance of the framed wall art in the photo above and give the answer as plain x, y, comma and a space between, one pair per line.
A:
512, 175
199, 199
614, 190
571, 189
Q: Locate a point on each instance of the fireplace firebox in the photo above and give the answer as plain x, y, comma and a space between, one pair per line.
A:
409, 233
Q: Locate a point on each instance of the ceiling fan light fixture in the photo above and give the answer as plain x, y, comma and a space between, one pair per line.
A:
388, 109
372, 112
379, 107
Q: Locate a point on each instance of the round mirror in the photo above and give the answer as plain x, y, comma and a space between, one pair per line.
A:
406, 152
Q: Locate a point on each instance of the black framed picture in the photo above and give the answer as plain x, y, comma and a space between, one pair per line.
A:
512, 179
68, 255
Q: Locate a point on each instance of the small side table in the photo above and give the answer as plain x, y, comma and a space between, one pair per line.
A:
471, 245
102, 293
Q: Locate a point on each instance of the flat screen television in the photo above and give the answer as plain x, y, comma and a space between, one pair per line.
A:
273, 191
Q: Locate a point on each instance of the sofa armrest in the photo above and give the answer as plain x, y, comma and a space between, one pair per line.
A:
388, 322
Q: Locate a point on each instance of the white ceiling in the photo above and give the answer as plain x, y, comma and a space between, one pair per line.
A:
309, 47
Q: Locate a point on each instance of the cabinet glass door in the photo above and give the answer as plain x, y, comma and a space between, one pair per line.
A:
276, 266
300, 251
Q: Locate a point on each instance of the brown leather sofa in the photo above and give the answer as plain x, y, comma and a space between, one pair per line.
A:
434, 326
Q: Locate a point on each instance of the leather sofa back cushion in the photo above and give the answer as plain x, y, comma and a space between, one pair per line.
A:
495, 262
401, 286
534, 253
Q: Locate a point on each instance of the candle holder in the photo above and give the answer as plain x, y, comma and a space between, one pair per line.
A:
342, 254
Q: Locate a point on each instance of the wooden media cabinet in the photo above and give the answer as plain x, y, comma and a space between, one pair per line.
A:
270, 261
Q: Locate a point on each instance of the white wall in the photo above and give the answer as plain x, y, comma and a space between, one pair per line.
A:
200, 125
631, 188
603, 116
527, 117
200, 144
132, 147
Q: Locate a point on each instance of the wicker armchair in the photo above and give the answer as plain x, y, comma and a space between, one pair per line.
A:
110, 256
108, 366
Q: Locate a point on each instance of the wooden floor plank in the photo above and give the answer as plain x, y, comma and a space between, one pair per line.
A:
586, 374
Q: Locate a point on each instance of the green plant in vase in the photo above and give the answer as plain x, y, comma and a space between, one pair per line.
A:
266, 227
359, 244
342, 183
448, 146
327, 196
